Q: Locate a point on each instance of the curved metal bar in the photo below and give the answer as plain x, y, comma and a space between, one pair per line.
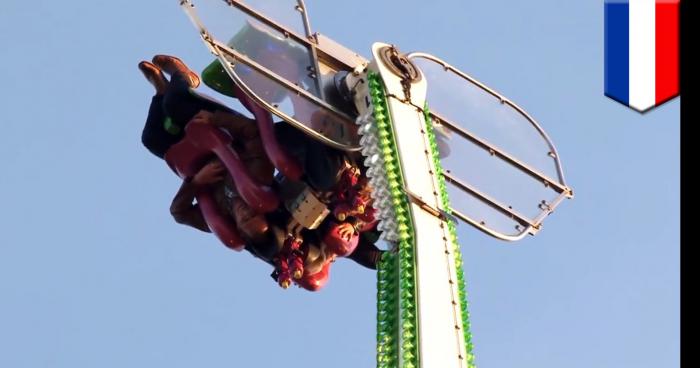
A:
550, 207
487, 231
313, 47
305, 18
490, 201
217, 48
503, 99
255, 14
310, 41
500, 153
229, 67
532, 226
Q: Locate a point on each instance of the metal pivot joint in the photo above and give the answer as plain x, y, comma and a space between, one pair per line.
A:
401, 66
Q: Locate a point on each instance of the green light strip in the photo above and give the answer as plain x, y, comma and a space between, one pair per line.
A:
387, 311
445, 202
406, 256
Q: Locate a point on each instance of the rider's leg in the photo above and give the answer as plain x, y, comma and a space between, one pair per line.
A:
367, 254
182, 103
253, 226
172, 65
155, 76
155, 136
271, 246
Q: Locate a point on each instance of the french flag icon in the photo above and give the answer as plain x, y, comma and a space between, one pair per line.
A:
642, 52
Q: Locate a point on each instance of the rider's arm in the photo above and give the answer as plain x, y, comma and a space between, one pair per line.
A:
184, 211
244, 131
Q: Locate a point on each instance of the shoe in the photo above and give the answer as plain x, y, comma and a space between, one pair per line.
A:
171, 65
154, 76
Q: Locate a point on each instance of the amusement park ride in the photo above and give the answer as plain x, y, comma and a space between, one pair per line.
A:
438, 147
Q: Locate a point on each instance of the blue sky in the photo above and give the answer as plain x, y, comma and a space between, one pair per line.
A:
94, 273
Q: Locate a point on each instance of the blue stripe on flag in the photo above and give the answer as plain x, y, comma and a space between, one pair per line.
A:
617, 50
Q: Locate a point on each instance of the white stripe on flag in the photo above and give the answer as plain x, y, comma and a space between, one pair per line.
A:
642, 54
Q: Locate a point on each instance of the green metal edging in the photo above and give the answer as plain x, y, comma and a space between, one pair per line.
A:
445, 202
387, 311
408, 328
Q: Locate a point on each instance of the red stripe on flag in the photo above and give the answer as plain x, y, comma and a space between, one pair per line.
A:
667, 54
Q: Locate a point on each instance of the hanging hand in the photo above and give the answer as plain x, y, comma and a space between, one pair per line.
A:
211, 173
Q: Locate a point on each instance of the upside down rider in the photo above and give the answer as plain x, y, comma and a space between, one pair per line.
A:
267, 236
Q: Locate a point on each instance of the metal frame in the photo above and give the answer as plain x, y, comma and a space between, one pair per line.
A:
528, 226
494, 150
504, 100
493, 203
308, 41
229, 57
531, 226
219, 49
229, 66
301, 7
263, 19
559, 186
